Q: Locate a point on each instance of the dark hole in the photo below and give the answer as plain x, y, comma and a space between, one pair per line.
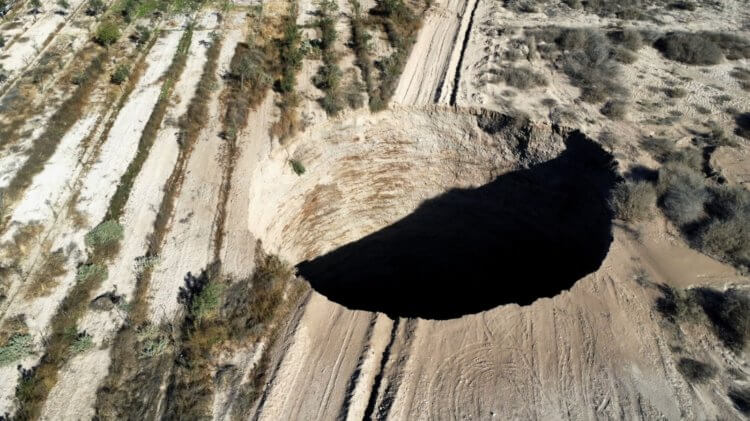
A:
528, 234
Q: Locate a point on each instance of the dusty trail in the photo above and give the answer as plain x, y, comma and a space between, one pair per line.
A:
189, 246
430, 70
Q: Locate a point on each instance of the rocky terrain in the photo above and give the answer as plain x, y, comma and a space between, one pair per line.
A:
386, 209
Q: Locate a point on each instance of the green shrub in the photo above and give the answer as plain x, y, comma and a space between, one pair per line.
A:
17, 347
683, 194
91, 272
153, 341
206, 303
141, 35
81, 343
120, 74
63, 4
633, 201
105, 234
297, 166
689, 48
695, 371
107, 33
95, 7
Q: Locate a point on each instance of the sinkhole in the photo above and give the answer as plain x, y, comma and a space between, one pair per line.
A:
437, 213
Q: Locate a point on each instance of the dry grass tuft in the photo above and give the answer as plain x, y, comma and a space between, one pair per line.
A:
46, 278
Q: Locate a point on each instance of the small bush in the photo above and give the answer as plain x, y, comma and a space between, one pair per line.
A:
689, 48
683, 194
107, 33
205, 304
105, 235
17, 347
658, 147
695, 371
633, 201
141, 35
629, 38
729, 313
615, 109
522, 78
734, 46
64, 5
154, 341
95, 7
120, 74
589, 64
297, 166
91, 272
677, 305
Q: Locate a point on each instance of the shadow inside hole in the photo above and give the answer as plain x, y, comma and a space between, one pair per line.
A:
528, 234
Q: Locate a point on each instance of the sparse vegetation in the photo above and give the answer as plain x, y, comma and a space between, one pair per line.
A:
588, 58
291, 52
329, 76
240, 313
148, 136
361, 44
401, 23
129, 390
47, 276
633, 201
60, 122
695, 371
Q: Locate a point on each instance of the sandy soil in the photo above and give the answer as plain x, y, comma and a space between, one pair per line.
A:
74, 393
188, 246
596, 350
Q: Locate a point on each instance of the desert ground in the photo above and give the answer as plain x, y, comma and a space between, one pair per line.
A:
374, 209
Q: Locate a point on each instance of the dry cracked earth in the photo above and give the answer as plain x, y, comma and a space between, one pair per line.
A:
386, 209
